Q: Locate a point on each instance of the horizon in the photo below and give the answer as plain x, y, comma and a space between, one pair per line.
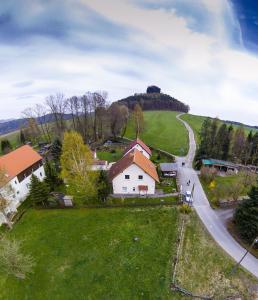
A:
202, 54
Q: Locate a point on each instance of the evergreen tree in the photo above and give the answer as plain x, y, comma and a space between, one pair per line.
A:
254, 149
246, 217
39, 191
204, 148
104, 188
51, 179
239, 144
220, 142
212, 138
56, 150
22, 137
5, 146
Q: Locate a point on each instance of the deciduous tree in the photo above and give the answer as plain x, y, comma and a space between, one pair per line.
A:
138, 120
76, 161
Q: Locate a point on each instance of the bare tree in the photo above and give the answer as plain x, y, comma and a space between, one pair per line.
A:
138, 120
41, 114
57, 106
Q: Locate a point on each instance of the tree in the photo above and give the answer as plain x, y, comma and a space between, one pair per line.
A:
56, 151
13, 261
104, 187
5, 146
239, 144
39, 191
31, 130
118, 116
5, 196
246, 216
138, 120
22, 137
51, 179
76, 161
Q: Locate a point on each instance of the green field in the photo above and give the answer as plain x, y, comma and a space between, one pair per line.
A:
196, 123
162, 130
224, 183
109, 156
91, 254
13, 138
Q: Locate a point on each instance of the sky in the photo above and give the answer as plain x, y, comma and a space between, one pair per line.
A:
202, 52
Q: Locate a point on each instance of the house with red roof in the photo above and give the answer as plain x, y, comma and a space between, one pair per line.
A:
134, 173
18, 166
139, 145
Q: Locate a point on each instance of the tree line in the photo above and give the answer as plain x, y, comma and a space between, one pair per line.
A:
221, 141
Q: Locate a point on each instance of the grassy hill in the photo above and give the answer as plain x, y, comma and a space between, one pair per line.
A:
162, 130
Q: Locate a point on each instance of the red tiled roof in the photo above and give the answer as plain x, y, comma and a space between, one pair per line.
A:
139, 142
134, 157
18, 160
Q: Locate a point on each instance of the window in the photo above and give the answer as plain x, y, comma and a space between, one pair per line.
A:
124, 188
140, 177
40, 174
15, 182
127, 176
18, 192
133, 189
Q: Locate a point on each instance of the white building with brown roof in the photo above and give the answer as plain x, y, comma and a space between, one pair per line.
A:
18, 166
139, 145
134, 174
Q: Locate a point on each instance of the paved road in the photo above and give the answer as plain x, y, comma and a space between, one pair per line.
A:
212, 221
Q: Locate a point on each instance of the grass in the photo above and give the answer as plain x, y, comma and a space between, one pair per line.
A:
109, 156
162, 130
224, 182
208, 266
167, 185
90, 253
142, 200
13, 138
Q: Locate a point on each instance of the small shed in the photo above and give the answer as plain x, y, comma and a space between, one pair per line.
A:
66, 201
169, 169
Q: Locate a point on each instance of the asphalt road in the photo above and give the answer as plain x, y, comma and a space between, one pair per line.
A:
212, 220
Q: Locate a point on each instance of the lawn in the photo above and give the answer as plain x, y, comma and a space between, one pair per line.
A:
224, 182
110, 156
90, 254
162, 130
208, 266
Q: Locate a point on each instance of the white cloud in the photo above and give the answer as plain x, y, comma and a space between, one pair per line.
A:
158, 47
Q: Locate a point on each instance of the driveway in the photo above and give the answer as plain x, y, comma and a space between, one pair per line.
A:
210, 218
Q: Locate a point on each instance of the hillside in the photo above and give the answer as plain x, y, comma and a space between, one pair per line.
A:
154, 101
196, 123
162, 130
7, 126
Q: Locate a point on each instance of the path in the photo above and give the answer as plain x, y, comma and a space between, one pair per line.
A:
212, 221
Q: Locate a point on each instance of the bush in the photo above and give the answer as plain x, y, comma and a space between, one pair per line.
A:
113, 151
246, 217
208, 174
185, 209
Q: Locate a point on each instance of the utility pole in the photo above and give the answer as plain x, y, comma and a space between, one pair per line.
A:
247, 251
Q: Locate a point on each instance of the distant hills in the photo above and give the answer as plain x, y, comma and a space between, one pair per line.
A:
7, 126
153, 99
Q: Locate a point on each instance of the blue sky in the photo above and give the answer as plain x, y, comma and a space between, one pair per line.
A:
196, 51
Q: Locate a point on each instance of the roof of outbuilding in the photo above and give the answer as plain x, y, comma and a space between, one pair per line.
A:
139, 142
133, 157
211, 161
18, 160
168, 167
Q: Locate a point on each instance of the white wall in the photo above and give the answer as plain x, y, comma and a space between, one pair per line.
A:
139, 147
21, 189
133, 171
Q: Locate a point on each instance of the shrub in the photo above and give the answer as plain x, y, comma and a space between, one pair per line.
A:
185, 209
208, 174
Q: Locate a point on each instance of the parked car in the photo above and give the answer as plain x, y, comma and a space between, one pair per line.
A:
188, 197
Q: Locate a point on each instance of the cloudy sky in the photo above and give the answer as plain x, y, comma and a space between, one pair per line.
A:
193, 49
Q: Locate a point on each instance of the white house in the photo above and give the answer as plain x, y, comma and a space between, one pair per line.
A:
133, 174
18, 166
139, 145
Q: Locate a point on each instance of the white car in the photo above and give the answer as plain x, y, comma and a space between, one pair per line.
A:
188, 197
